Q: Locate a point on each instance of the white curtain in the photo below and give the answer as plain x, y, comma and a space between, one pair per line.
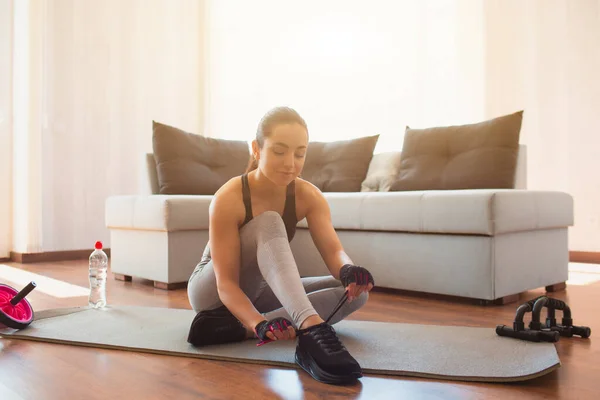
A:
5, 127
28, 114
113, 66
92, 77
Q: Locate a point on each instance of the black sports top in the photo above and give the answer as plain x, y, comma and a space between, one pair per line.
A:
289, 210
289, 216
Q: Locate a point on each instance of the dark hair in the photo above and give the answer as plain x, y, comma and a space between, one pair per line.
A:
274, 117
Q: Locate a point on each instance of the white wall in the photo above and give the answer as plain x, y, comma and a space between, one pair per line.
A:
351, 68
548, 63
109, 69
5, 127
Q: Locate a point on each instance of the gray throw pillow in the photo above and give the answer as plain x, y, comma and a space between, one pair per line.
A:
187, 163
382, 172
475, 156
339, 166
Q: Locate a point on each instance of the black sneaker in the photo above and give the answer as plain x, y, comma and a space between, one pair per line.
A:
216, 326
320, 353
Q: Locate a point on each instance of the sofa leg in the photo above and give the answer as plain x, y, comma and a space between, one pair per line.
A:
556, 287
124, 278
513, 298
170, 286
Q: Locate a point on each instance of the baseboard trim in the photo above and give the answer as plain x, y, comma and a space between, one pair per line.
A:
589, 257
51, 256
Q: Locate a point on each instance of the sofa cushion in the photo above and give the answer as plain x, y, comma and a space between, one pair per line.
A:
187, 163
382, 172
339, 166
158, 212
475, 156
471, 212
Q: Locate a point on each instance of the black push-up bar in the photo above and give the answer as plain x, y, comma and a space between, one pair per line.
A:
550, 331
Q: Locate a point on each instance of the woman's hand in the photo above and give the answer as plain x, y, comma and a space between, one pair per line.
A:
356, 280
275, 329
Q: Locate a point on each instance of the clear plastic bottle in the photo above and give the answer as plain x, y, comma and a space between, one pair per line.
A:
97, 273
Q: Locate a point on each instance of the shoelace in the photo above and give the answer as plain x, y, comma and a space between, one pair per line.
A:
319, 329
325, 335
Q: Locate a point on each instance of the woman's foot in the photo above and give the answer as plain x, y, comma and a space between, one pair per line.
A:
311, 321
215, 327
322, 355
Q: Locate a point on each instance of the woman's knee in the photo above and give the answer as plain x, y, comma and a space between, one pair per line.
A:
269, 218
349, 306
202, 289
201, 303
270, 224
357, 302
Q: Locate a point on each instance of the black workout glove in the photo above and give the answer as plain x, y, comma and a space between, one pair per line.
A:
263, 327
354, 274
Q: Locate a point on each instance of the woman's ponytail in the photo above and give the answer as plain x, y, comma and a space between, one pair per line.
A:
252, 164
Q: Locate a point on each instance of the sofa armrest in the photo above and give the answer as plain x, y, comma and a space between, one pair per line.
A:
158, 212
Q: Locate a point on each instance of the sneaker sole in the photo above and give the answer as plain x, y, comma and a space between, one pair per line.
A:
322, 376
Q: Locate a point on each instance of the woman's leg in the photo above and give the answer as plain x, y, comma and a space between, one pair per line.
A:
266, 244
202, 288
265, 257
324, 292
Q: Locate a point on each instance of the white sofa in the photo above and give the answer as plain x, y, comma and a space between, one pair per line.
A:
489, 245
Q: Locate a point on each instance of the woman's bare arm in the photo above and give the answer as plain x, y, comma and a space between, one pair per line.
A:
224, 246
318, 217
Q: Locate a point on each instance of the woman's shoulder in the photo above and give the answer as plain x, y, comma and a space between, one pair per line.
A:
304, 186
231, 186
228, 198
307, 192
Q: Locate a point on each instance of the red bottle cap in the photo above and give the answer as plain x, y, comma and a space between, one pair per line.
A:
98, 245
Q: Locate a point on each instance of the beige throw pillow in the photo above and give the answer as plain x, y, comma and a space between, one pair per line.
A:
475, 156
339, 166
187, 163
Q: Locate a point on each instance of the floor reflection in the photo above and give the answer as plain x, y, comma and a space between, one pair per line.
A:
285, 383
18, 279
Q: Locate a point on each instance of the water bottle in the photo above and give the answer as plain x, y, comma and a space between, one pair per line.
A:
98, 271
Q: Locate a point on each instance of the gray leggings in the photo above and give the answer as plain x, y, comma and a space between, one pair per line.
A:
270, 278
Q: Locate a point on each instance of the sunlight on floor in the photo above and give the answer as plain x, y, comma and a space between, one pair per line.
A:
18, 279
285, 383
581, 274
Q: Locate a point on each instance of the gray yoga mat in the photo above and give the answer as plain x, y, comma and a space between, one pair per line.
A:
431, 351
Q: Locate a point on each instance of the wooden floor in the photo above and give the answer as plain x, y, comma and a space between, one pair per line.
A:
34, 370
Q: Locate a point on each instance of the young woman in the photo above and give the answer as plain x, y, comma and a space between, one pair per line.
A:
247, 283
